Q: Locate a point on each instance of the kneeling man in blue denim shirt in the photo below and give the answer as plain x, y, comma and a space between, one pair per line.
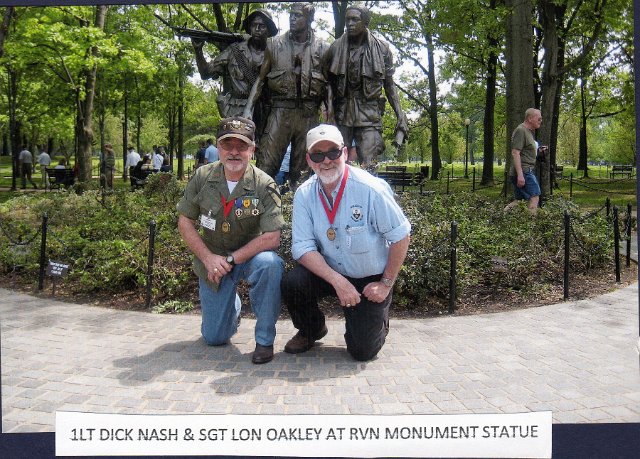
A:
350, 239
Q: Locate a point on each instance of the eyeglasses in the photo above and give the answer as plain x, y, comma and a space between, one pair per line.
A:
318, 156
237, 145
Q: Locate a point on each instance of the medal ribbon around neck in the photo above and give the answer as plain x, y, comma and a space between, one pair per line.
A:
331, 214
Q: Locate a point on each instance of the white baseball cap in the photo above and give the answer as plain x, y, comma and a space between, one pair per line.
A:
324, 132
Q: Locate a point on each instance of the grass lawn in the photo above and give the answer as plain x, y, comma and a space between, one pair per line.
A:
588, 193
5, 174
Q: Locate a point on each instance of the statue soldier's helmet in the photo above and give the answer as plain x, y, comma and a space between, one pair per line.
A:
271, 26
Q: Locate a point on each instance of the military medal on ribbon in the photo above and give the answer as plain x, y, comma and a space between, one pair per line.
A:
331, 213
226, 227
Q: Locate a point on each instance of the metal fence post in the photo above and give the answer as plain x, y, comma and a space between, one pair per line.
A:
43, 250
447, 182
571, 185
152, 242
453, 273
616, 242
627, 234
607, 203
567, 231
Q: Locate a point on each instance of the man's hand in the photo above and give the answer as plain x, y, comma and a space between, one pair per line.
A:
376, 291
217, 267
520, 181
347, 293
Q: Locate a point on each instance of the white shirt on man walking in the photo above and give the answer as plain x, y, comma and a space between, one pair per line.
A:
133, 158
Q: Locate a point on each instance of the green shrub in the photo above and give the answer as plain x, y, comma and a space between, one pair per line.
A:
173, 307
105, 238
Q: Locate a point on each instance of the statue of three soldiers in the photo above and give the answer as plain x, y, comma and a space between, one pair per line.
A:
282, 82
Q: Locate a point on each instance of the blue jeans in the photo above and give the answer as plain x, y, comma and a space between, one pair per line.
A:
220, 310
530, 189
281, 177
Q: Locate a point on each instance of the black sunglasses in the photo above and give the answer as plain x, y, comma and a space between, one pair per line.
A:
319, 156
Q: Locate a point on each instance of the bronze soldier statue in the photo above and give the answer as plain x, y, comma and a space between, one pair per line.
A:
239, 65
358, 66
292, 71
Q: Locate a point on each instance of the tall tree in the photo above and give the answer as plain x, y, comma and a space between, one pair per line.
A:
85, 131
518, 69
411, 34
558, 20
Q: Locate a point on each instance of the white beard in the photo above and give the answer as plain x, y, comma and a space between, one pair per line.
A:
328, 176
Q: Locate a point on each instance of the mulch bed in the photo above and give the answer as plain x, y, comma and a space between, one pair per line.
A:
484, 299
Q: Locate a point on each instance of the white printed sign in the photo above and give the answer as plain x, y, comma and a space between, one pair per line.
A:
475, 435
57, 269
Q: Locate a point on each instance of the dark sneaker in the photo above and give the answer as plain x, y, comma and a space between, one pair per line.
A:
262, 354
300, 343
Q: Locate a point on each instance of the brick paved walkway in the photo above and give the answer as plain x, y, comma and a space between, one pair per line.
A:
578, 359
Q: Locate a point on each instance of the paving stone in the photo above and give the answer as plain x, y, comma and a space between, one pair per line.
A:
576, 359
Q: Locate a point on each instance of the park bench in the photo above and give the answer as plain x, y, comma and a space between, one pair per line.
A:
137, 182
60, 178
621, 169
398, 177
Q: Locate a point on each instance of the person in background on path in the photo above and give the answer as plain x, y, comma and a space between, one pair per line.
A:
45, 161
238, 208
25, 159
349, 239
109, 160
200, 155
524, 149
157, 159
133, 158
211, 153
283, 175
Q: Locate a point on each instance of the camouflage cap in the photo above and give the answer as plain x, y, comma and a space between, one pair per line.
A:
238, 127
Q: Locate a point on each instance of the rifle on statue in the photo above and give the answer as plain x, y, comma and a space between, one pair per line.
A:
211, 36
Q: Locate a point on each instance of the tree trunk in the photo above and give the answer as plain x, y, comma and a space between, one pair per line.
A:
138, 114
489, 118
339, 16
549, 17
4, 28
519, 70
436, 162
179, 153
582, 145
15, 126
102, 110
489, 108
125, 129
86, 134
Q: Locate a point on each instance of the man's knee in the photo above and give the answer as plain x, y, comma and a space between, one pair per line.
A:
215, 338
296, 279
270, 262
363, 352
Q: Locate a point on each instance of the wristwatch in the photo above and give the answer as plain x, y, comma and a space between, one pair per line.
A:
386, 281
230, 260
